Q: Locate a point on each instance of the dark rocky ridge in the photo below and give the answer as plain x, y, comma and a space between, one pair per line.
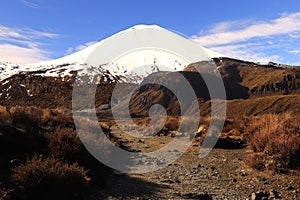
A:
260, 80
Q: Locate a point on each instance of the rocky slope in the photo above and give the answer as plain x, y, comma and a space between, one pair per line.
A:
260, 79
251, 89
242, 80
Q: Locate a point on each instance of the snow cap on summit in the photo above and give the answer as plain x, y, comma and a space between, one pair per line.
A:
139, 45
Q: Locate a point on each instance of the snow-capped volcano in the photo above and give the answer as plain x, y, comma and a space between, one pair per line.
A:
135, 52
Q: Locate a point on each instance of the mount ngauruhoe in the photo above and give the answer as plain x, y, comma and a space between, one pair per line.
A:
264, 88
94, 60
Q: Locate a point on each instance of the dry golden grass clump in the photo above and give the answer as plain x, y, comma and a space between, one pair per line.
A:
21, 129
58, 173
29, 117
56, 117
5, 118
275, 141
5, 194
64, 143
50, 178
31, 112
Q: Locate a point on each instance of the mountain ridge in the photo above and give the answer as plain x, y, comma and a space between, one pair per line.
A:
239, 78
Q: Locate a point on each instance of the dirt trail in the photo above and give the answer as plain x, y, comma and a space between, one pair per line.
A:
220, 175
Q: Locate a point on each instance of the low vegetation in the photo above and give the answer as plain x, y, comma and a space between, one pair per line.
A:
5, 194
275, 141
4, 116
41, 153
50, 178
64, 143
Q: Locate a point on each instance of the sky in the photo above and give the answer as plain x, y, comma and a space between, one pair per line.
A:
254, 30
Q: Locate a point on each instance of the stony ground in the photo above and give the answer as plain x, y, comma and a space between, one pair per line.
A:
220, 175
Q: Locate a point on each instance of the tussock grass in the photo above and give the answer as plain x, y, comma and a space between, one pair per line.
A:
50, 178
275, 141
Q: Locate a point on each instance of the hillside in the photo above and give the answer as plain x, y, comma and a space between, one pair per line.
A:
276, 104
260, 79
262, 86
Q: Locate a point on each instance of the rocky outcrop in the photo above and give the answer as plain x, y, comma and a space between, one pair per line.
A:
288, 84
259, 80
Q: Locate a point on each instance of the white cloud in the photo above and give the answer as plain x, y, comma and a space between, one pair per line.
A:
283, 25
30, 4
79, 47
229, 26
23, 34
295, 52
234, 38
243, 52
23, 45
24, 55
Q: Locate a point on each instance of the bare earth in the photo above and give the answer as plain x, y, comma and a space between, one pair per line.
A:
220, 175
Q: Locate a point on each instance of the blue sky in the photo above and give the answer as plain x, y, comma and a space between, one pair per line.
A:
257, 30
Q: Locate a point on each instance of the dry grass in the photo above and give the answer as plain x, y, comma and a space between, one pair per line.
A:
256, 161
20, 111
49, 132
31, 117
146, 126
263, 76
26, 118
5, 194
275, 141
5, 118
64, 143
55, 117
162, 125
50, 178
240, 108
46, 115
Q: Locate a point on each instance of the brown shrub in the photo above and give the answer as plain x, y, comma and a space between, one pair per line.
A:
277, 138
28, 127
33, 112
46, 114
5, 194
256, 161
50, 178
39, 117
65, 143
5, 118
235, 125
26, 118
52, 118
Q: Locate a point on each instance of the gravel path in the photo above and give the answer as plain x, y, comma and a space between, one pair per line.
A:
220, 175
